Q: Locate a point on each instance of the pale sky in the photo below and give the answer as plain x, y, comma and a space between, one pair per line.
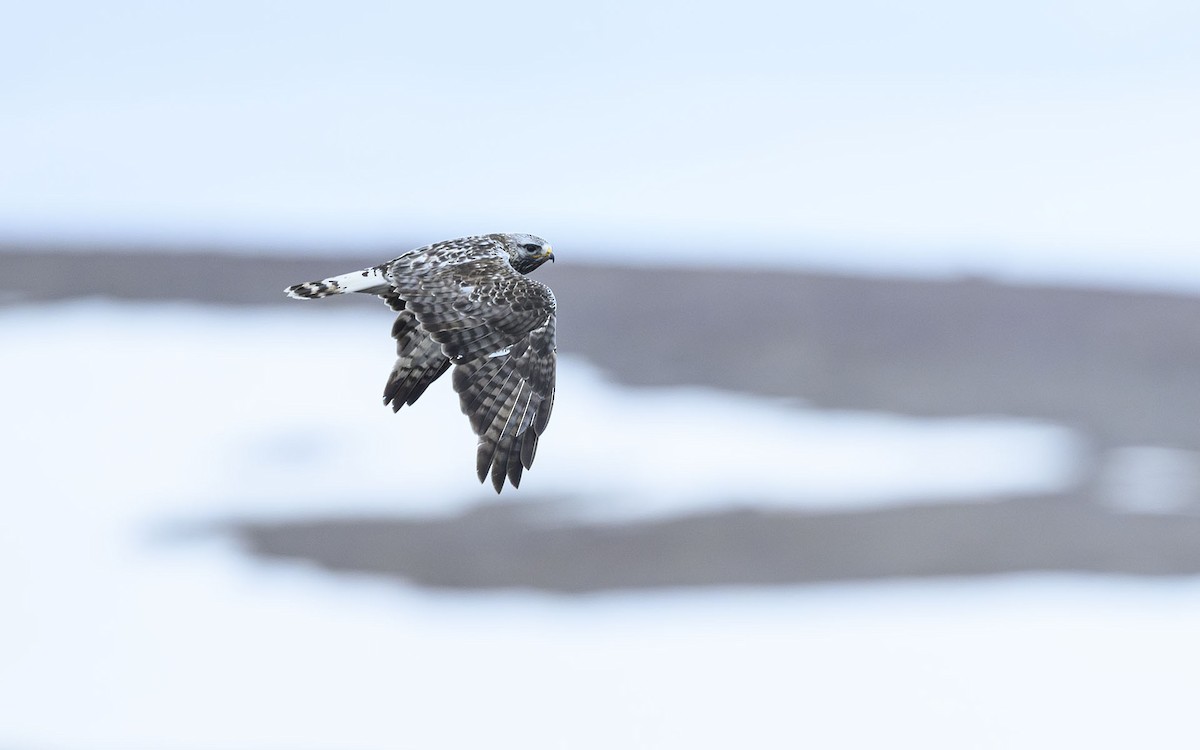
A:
996, 138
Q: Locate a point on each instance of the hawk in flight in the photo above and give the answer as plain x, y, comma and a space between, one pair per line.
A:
467, 302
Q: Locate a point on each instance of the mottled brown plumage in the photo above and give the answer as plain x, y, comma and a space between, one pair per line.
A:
466, 302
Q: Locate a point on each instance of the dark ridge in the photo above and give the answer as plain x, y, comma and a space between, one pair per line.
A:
1120, 366
514, 547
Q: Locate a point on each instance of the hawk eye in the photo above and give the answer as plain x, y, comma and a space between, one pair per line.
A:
532, 248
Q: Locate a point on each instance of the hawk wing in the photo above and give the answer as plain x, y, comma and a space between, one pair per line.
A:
419, 360
497, 327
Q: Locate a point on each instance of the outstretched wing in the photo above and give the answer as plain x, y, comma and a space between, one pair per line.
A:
497, 327
508, 399
419, 361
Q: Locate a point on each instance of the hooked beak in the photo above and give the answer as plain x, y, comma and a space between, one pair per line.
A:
548, 253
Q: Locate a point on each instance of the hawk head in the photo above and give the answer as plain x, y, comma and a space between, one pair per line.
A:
526, 251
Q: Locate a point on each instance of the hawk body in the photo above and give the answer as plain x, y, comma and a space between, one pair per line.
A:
466, 303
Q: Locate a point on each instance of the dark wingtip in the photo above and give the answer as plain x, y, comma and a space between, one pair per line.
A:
528, 449
389, 396
482, 464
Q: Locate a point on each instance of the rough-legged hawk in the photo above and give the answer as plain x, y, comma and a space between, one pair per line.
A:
467, 303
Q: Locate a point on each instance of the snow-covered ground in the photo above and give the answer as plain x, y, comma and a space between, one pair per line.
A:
121, 420
190, 409
124, 645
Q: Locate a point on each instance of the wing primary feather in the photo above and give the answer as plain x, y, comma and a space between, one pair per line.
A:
445, 365
543, 415
494, 402
483, 461
502, 445
419, 362
516, 446
516, 436
477, 391
400, 392
529, 449
514, 467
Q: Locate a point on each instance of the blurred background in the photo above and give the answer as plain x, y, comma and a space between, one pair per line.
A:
877, 407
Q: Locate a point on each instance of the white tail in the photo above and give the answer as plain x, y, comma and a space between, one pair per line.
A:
369, 280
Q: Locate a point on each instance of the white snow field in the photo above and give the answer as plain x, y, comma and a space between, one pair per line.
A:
191, 409
122, 420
